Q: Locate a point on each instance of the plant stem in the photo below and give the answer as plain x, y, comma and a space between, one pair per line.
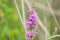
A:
23, 11
19, 14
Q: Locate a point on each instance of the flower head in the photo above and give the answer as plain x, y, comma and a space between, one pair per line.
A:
30, 33
31, 23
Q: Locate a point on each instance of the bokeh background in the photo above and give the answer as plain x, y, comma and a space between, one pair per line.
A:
11, 27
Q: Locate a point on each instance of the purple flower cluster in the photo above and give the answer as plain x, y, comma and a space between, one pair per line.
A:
30, 34
31, 24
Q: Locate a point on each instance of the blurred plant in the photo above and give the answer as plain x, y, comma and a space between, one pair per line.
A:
15, 26
31, 24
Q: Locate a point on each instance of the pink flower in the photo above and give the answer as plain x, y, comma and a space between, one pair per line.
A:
32, 11
29, 39
30, 33
31, 24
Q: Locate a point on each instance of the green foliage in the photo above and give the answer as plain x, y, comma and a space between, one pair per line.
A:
13, 30
11, 27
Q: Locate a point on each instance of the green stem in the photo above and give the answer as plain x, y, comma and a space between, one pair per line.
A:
54, 36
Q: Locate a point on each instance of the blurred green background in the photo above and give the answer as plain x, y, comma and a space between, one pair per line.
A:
11, 27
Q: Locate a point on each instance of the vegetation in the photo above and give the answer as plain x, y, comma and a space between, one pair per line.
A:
14, 13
